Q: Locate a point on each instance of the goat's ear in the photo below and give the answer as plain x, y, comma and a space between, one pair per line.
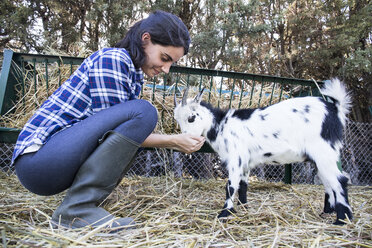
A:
198, 98
184, 98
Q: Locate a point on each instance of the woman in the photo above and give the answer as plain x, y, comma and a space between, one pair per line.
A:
86, 134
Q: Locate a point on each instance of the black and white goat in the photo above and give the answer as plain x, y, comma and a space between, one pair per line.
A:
295, 130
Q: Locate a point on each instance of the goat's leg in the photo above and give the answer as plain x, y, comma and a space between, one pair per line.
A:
243, 186
232, 187
342, 206
334, 182
329, 199
341, 201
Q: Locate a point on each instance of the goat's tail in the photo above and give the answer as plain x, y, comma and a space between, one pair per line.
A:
335, 89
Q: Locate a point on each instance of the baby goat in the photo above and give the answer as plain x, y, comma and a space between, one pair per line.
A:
295, 130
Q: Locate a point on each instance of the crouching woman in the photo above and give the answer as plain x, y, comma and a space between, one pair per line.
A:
85, 135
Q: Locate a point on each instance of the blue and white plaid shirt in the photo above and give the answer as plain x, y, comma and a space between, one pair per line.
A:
105, 78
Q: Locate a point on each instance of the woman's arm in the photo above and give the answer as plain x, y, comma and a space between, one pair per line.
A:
182, 142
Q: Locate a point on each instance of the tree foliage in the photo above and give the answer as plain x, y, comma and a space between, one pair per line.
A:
16, 20
302, 39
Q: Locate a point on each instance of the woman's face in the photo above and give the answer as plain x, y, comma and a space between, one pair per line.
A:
159, 58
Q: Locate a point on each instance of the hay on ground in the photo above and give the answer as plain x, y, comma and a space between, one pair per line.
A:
173, 212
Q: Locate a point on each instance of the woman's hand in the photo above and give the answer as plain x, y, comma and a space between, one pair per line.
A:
186, 143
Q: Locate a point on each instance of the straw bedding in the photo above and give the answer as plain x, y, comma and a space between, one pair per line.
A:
173, 212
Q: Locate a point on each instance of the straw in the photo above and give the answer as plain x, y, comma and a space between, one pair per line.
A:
175, 212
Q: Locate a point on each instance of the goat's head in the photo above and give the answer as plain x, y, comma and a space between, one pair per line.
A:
191, 116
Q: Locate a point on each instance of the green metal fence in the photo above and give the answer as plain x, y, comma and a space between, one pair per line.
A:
24, 77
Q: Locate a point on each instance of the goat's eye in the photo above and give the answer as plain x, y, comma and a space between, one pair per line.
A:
191, 119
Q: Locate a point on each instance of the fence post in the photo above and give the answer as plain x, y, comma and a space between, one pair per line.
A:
288, 174
6, 90
339, 164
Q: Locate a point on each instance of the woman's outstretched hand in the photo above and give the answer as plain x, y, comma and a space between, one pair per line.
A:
186, 143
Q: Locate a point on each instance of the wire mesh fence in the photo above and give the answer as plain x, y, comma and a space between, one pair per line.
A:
356, 158
356, 154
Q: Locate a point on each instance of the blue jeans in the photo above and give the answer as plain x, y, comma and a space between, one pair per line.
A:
52, 169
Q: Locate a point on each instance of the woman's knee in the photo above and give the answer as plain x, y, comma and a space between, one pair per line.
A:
149, 113
142, 120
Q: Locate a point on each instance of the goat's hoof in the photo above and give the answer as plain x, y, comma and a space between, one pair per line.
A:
339, 222
328, 210
226, 212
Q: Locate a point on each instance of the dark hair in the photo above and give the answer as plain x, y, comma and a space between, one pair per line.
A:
164, 28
